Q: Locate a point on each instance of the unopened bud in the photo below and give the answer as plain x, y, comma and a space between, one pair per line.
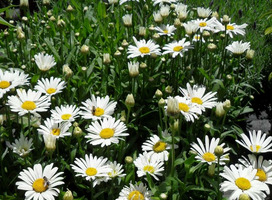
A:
175, 126
69, 8
67, 72
84, 49
106, 58
215, 14
142, 31
244, 196
250, 54
124, 43
229, 77
60, 23
163, 196
143, 65
52, 18
169, 89
128, 159
130, 102
24, 3
117, 53
218, 151
172, 107
219, 110
212, 47
206, 34
158, 93
46, 2
227, 105
177, 22
207, 127
226, 19
211, 169
77, 131
161, 102
50, 142
68, 195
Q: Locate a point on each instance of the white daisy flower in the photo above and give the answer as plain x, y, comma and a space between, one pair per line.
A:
50, 86
189, 110
28, 102
165, 30
197, 96
156, 148
59, 130
264, 167
44, 62
66, 113
206, 153
155, 2
164, 10
257, 142
241, 181
238, 48
40, 183
203, 12
177, 47
143, 48
116, 170
233, 28
97, 107
106, 132
206, 24
190, 27
180, 7
92, 168
22, 146
197, 37
135, 192
11, 79
146, 164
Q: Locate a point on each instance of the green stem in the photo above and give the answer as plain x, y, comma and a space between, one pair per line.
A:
128, 114
218, 178
29, 124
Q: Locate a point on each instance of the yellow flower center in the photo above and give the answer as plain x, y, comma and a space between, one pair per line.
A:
51, 90
39, 185
144, 50
165, 31
55, 131
91, 171
177, 48
4, 84
149, 168
243, 183
202, 24
184, 107
28, 105
66, 116
159, 147
197, 37
197, 100
209, 157
136, 195
261, 174
230, 27
257, 147
106, 133
98, 112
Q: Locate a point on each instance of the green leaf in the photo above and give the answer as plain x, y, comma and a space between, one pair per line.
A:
178, 161
6, 8
268, 30
52, 48
4, 22
203, 72
270, 76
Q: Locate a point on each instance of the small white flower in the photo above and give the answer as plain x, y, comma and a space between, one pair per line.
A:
166, 30
92, 168
146, 164
50, 86
165, 10
28, 102
177, 48
206, 153
66, 113
44, 62
127, 19
143, 48
97, 108
190, 27
206, 24
116, 170
240, 180
106, 132
22, 146
123, 1
135, 192
133, 69
52, 127
238, 48
203, 12
155, 2
40, 183
257, 142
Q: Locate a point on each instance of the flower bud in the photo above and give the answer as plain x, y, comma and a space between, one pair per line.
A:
143, 65
52, 18
24, 18
207, 127
219, 110
124, 43
157, 17
227, 105
60, 23
163, 196
177, 22
66, 70
127, 20
46, 2
128, 159
133, 69
206, 34
77, 131
106, 58
50, 142
229, 77
49, 13
68, 195
130, 102
244, 196
69, 8
165, 11
215, 14
84, 49
169, 89
175, 126
218, 151
251, 96
212, 47
172, 107
250, 54
158, 93
85, 8
161, 102
142, 31
156, 36
226, 19
117, 53
24, 3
